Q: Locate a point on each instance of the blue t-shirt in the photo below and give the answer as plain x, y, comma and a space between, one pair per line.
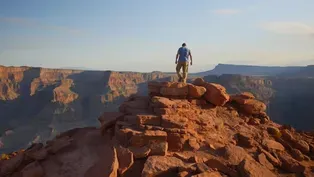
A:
183, 54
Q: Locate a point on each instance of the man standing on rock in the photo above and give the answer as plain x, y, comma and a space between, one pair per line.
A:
182, 61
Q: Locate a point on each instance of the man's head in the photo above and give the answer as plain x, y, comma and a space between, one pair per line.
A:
184, 44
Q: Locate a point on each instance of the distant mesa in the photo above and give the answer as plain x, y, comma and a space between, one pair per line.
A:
249, 70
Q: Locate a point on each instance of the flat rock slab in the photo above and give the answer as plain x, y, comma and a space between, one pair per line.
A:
273, 145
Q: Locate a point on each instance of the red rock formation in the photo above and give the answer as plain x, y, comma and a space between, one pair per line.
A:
184, 139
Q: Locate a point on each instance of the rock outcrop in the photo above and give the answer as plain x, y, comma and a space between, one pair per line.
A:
175, 131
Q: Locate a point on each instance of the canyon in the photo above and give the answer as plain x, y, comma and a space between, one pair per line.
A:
36, 104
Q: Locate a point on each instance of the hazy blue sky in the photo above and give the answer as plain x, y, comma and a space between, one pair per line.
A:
144, 35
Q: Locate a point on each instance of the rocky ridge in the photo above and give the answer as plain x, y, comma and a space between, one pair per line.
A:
178, 130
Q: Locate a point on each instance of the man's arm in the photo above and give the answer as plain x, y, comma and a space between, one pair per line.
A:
177, 56
191, 57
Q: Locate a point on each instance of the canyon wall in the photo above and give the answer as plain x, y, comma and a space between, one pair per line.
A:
37, 103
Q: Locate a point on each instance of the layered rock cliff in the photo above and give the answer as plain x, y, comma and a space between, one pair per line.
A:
178, 130
37, 103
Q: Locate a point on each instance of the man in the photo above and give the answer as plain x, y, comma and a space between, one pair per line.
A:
182, 61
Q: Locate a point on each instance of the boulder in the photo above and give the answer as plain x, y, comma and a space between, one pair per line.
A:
32, 170
156, 165
251, 168
302, 145
273, 145
199, 82
263, 160
196, 91
194, 145
287, 135
245, 140
289, 164
216, 94
235, 154
276, 162
253, 107
241, 98
274, 132
297, 154
125, 159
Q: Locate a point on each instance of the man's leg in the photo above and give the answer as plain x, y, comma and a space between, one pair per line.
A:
185, 71
178, 68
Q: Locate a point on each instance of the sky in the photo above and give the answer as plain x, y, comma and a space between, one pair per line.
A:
144, 35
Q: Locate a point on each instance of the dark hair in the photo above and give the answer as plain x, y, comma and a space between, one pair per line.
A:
184, 44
